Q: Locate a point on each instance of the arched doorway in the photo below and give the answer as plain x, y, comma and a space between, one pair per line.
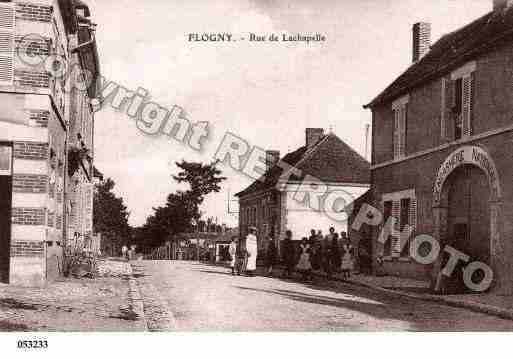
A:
466, 210
468, 219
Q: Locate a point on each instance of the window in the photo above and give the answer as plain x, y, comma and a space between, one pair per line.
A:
403, 207
461, 90
7, 22
400, 109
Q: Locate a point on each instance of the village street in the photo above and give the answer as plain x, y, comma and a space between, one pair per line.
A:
190, 296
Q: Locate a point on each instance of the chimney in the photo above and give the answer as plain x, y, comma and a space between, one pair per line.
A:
313, 135
421, 40
501, 4
271, 159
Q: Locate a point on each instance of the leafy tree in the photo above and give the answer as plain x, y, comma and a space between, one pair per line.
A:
182, 206
203, 179
110, 215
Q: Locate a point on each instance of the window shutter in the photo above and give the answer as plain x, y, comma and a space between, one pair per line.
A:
89, 195
450, 103
467, 107
396, 213
413, 213
7, 22
443, 110
397, 145
402, 130
472, 99
451, 94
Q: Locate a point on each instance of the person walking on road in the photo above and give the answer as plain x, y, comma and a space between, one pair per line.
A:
270, 255
124, 252
252, 251
232, 250
289, 255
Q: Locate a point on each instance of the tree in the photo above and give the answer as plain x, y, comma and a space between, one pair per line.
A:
182, 206
203, 179
110, 215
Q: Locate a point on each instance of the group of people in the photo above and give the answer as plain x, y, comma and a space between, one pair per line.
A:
332, 253
249, 256
128, 253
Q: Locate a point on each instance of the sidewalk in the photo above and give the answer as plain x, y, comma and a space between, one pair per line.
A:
106, 303
501, 306
497, 305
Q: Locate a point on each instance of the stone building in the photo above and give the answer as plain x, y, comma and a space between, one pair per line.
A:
48, 71
307, 189
441, 152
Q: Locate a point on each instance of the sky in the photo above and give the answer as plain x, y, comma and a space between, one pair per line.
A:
266, 93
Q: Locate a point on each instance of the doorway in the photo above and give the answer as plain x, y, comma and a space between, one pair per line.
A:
468, 220
5, 210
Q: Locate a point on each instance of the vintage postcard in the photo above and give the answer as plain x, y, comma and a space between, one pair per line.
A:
255, 166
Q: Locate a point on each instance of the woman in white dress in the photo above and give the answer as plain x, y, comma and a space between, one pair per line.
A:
304, 266
233, 254
252, 251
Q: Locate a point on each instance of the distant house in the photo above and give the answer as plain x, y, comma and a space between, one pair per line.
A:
441, 151
306, 189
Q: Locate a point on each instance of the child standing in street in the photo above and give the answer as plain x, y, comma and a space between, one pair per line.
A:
347, 260
304, 266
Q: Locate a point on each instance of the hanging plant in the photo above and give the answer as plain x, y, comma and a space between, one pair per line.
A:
75, 157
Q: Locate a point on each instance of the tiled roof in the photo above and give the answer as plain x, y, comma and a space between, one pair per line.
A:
452, 50
331, 160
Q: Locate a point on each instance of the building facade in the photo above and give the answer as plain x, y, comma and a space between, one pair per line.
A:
306, 189
48, 71
441, 153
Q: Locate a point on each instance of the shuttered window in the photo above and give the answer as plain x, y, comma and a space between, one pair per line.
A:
403, 207
396, 211
403, 129
88, 207
462, 86
467, 105
7, 22
396, 134
400, 130
443, 112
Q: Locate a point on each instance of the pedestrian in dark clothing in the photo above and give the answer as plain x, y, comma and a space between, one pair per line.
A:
326, 253
270, 255
312, 239
289, 255
315, 251
335, 254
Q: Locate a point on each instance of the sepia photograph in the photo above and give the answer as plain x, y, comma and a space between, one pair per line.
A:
254, 166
